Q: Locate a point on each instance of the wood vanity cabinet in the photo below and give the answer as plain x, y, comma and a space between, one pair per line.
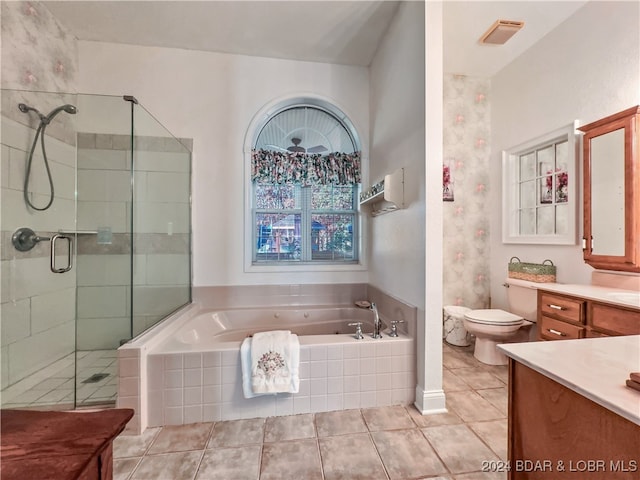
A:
611, 151
609, 320
562, 317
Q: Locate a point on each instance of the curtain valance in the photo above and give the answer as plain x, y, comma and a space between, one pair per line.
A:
305, 168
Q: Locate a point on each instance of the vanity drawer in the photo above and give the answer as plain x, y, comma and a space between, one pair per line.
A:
562, 308
614, 320
552, 329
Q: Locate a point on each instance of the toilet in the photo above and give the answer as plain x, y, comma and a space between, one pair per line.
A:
494, 326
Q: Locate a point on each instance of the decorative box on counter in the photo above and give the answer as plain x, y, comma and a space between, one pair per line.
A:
544, 272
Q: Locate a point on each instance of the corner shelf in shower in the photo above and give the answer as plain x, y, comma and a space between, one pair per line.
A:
385, 196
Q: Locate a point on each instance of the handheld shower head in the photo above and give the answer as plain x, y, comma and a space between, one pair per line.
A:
24, 108
66, 108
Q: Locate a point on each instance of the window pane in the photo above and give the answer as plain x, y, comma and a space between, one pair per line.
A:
546, 220
528, 194
546, 189
528, 166
332, 237
332, 197
562, 155
278, 237
562, 219
528, 221
277, 197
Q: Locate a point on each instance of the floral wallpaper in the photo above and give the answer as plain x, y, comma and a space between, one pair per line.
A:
38, 55
467, 140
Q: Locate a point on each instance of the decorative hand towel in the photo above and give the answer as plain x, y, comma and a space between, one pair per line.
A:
270, 362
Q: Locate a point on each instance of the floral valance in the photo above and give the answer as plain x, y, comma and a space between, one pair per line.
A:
305, 168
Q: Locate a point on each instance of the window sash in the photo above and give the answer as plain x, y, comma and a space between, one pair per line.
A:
539, 194
306, 214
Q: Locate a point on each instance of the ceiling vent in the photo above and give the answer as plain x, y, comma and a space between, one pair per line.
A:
500, 32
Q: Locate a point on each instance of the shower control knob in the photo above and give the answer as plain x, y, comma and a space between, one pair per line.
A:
24, 239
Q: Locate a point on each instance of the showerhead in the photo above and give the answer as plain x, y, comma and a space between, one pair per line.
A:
66, 108
24, 108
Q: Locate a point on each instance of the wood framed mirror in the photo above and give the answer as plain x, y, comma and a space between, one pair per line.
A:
612, 192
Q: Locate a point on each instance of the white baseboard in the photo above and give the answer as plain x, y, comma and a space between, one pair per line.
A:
430, 402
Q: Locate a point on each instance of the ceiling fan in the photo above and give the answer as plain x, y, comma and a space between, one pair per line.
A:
296, 148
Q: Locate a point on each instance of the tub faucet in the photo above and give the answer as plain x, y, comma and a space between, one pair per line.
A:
376, 321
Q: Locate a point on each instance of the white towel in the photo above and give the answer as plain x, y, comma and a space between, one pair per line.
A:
270, 362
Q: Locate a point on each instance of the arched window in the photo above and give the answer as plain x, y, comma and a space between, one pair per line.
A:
305, 177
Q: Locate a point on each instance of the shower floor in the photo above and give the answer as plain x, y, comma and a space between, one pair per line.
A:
53, 386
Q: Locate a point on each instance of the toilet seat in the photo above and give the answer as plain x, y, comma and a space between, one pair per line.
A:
493, 316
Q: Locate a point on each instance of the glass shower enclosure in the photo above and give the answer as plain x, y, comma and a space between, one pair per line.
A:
108, 259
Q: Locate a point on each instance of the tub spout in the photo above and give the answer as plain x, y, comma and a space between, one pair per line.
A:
376, 321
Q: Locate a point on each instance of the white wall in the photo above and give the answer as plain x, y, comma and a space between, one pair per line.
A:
397, 140
585, 69
398, 240
213, 98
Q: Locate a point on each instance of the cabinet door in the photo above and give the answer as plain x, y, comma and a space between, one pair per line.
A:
613, 320
612, 192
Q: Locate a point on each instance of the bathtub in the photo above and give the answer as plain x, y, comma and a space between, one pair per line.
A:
190, 371
213, 329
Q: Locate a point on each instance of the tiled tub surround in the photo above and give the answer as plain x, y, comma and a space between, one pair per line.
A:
170, 387
393, 442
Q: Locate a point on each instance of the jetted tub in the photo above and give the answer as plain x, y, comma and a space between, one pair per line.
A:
191, 371
212, 329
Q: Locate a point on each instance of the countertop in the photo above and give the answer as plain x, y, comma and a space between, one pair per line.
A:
615, 296
596, 368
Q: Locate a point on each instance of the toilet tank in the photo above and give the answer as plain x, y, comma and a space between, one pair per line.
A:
523, 298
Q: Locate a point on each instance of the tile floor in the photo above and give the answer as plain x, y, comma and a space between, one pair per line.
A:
368, 444
53, 386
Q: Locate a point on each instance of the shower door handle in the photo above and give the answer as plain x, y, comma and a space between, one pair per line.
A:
54, 239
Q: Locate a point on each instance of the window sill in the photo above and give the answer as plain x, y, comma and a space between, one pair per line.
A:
305, 267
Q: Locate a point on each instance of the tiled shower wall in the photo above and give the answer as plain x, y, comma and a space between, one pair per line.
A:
37, 305
467, 140
160, 241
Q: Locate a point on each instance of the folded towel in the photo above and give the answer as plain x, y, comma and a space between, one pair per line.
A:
270, 362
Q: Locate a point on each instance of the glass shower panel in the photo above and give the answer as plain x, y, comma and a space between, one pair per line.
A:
103, 239
161, 221
38, 306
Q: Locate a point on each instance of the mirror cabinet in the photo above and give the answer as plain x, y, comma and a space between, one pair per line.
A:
612, 192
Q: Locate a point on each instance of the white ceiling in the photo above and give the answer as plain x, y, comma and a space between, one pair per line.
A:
343, 32
464, 22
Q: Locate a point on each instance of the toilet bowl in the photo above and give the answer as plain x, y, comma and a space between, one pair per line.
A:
494, 326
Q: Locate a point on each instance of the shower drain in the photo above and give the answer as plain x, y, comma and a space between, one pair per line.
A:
96, 377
